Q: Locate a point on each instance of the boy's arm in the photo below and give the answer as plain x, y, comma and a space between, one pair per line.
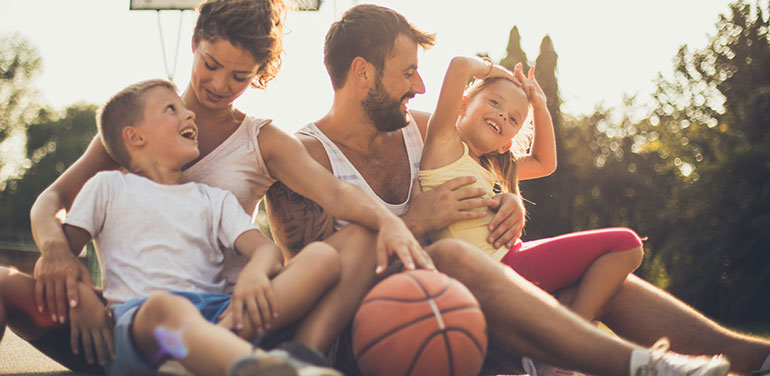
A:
290, 163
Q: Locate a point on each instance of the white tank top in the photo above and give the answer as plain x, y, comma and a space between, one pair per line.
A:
345, 171
236, 165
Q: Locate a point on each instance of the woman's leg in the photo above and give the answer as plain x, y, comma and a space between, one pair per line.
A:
600, 260
20, 314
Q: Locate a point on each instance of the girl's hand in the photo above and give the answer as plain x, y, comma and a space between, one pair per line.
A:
394, 238
91, 324
531, 87
254, 295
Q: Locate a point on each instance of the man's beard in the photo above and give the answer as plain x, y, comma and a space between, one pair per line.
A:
385, 112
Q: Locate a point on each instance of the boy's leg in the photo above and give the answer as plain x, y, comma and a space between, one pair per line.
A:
211, 349
642, 313
321, 326
305, 279
17, 297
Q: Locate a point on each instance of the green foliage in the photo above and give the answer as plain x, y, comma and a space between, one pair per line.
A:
19, 66
52, 145
691, 171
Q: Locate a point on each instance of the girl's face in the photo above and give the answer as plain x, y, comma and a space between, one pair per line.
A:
221, 73
490, 119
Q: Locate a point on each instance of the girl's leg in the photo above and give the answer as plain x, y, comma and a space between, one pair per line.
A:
211, 348
599, 259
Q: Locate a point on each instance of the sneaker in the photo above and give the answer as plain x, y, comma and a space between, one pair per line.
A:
534, 368
276, 362
664, 363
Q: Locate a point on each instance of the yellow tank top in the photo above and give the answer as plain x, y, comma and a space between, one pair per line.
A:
473, 231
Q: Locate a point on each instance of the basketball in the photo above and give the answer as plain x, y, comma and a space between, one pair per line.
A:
419, 323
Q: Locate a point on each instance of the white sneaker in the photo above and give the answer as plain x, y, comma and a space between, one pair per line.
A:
664, 363
534, 368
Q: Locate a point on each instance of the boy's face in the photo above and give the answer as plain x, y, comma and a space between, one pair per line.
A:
168, 130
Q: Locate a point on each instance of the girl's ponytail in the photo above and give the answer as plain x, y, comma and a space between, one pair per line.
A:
504, 165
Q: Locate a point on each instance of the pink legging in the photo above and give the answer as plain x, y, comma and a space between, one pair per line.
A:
558, 262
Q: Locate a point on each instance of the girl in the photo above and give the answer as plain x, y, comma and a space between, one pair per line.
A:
471, 133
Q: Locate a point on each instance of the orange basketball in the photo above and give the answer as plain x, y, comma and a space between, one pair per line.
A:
419, 323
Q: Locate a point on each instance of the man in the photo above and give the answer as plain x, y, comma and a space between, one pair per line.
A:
368, 138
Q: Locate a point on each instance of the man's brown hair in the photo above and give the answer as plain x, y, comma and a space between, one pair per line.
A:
368, 31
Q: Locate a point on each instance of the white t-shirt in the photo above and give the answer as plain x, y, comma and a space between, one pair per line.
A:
156, 237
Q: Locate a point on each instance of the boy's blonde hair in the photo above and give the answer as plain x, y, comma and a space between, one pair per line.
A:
125, 108
505, 164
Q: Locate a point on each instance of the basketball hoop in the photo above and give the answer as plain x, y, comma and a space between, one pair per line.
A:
184, 5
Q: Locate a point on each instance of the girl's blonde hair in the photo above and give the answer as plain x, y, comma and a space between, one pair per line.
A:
504, 165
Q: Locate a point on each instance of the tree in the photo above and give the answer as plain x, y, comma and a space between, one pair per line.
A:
52, 145
19, 66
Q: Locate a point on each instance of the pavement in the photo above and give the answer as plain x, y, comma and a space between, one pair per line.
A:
17, 357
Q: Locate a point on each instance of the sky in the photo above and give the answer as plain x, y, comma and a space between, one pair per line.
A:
607, 48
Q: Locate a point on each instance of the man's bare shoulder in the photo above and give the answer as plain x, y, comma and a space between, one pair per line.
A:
315, 148
421, 118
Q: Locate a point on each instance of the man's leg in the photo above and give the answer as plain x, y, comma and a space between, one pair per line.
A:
643, 313
525, 320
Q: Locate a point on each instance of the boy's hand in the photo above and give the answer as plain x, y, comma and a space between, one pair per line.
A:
254, 294
394, 238
91, 325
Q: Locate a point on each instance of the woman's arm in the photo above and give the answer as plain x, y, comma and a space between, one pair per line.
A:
58, 269
290, 163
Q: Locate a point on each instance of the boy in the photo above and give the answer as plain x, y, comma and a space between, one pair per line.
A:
155, 234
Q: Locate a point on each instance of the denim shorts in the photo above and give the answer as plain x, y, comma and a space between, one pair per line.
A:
128, 359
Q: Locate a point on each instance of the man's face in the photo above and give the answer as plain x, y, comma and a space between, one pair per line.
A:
398, 82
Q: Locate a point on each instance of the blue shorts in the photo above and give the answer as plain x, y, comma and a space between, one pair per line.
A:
128, 360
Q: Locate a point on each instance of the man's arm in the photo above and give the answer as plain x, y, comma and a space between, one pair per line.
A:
295, 220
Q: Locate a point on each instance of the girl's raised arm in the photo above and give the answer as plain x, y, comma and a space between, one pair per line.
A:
442, 135
58, 270
541, 160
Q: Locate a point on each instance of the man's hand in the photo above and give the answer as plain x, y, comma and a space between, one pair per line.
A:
56, 275
508, 222
394, 238
450, 202
90, 323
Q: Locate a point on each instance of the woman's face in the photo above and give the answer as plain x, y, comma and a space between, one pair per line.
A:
221, 73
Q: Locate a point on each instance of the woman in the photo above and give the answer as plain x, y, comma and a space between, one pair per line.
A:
236, 44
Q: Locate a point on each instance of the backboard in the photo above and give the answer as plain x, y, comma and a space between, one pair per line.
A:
192, 4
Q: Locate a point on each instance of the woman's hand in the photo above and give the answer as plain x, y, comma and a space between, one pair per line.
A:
57, 273
91, 324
